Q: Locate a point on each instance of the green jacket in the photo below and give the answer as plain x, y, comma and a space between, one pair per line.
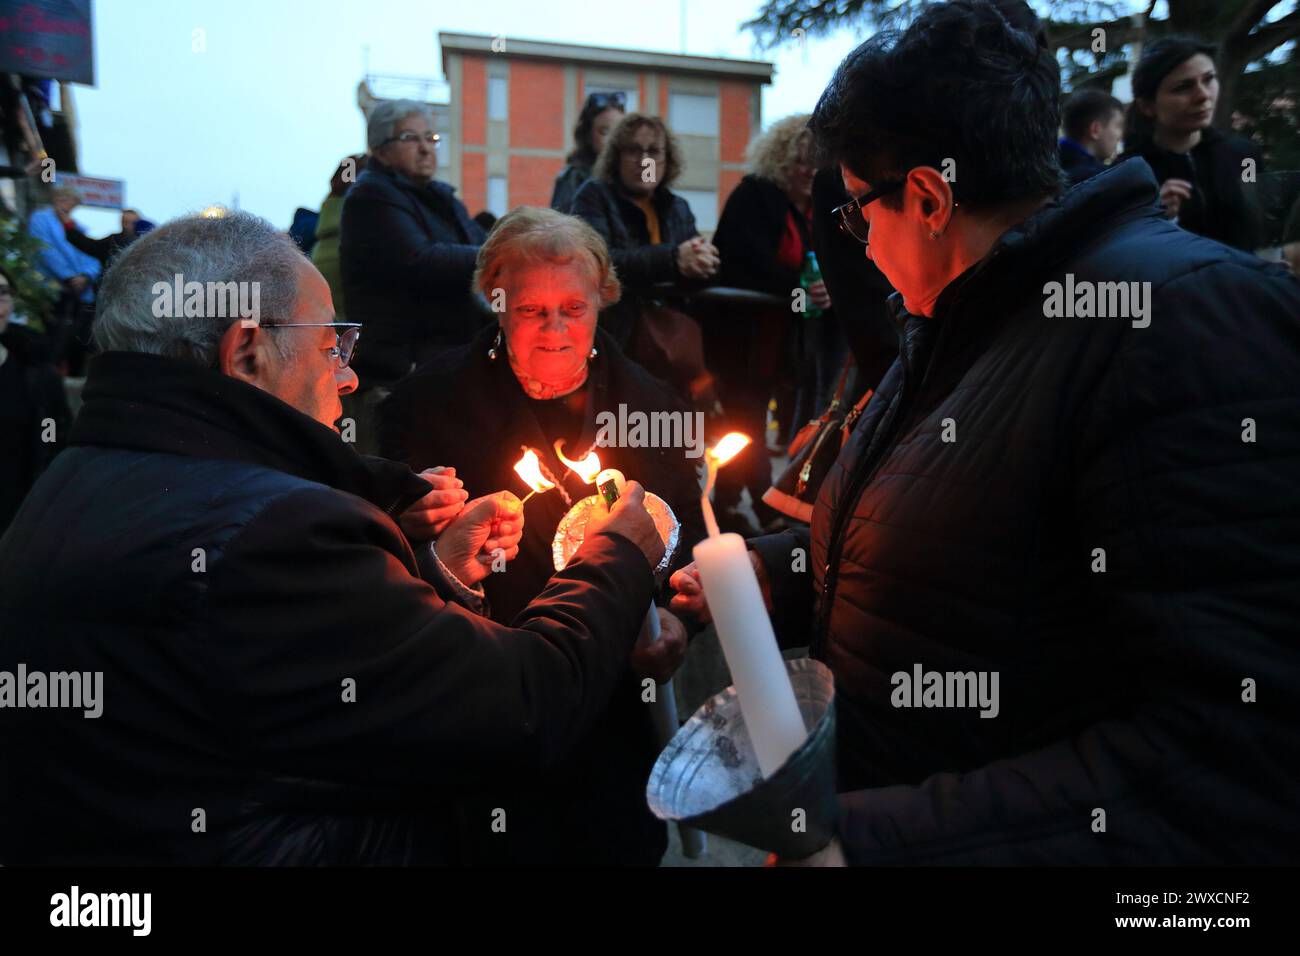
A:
325, 254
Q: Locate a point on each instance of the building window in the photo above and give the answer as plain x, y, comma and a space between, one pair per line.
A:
692, 114
496, 196
629, 95
497, 109
704, 206
443, 128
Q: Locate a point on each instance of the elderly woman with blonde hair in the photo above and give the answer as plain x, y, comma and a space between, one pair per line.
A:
541, 378
763, 238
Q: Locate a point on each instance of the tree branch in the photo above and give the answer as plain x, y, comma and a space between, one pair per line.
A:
1271, 36
1247, 17
1067, 35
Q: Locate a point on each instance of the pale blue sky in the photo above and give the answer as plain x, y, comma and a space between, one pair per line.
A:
269, 108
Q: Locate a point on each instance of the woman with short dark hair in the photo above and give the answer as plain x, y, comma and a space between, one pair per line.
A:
1057, 487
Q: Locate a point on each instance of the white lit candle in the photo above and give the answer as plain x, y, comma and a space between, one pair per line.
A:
745, 631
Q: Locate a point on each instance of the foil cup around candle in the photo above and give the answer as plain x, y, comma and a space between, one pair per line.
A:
708, 777
572, 529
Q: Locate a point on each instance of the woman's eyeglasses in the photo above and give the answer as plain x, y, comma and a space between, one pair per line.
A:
850, 216
347, 340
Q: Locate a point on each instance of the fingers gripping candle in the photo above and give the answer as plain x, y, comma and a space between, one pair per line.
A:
745, 631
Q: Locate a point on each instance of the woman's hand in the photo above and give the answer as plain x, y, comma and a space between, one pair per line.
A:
1173, 192
659, 659
820, 297
426, 519
698, 258
690, 598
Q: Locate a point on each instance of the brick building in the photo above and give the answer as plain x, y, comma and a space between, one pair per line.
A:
512, 104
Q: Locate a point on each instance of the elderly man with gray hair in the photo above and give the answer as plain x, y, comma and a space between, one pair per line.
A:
287, 677
407, 247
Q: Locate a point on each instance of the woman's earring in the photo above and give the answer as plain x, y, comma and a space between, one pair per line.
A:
496, 344
593, 354
933, 234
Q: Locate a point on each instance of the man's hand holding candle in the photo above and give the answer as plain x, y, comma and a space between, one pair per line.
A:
469, 544
690, 598
427, 518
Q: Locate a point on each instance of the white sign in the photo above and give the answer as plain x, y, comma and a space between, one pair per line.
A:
108, 193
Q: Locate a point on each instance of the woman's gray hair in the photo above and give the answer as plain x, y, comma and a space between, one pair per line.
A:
529, 234
237, 258
385, 117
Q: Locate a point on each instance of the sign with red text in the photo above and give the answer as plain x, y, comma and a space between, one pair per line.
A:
107, 193
48, 38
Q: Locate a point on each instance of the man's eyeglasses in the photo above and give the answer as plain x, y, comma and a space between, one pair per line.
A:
410, 136
850, 214
347, 340
603, 101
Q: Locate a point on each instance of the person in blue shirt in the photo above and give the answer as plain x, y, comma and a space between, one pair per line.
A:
1093, 121
60, 260
72, 268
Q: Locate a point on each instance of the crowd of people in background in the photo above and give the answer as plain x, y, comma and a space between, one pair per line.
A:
614, 297
398, 248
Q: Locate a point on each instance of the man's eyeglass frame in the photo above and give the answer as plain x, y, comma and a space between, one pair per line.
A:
347, 340
429, 137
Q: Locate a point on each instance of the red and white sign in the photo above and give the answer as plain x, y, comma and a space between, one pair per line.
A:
107, 193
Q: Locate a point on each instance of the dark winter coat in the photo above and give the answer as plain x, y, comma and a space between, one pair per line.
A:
467, 411
639, 265
567, 185
1225, 201
270, 654
407, 256
1078, 163
749, 233
34, 416
1083, 508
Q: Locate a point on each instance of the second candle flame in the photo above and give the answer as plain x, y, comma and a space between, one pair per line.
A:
728, 447
587, 469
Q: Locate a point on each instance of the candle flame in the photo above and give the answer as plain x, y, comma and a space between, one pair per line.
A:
529, 468
587, 469
728, 447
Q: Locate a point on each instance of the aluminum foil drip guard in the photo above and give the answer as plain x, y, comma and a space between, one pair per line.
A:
708, 776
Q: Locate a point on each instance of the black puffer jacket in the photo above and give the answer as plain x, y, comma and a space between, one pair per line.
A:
407, 255
234, 564
1003, 456
638, 263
